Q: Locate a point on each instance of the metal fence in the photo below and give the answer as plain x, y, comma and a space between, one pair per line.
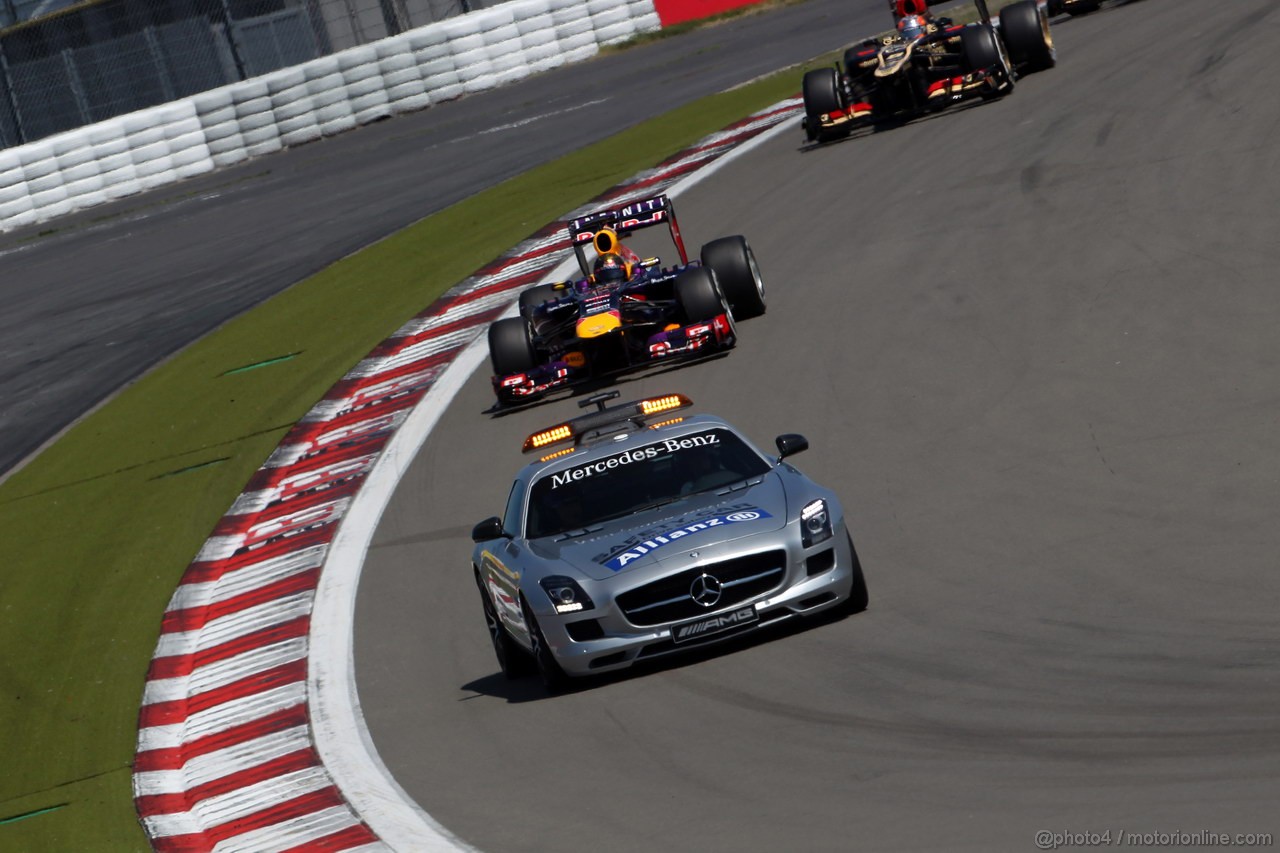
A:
65, 65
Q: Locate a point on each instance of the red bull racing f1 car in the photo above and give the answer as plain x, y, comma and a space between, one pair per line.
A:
927, 63
625, 311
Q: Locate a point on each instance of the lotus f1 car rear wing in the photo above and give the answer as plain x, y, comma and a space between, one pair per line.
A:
622, 221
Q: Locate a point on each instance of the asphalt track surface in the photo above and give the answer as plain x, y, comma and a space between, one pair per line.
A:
1033, 346
118, 288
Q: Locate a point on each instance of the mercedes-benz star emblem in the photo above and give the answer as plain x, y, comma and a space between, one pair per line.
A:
705, 590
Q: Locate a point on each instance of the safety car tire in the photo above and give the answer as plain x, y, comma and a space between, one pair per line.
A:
510, 350
513, 660
552, 675
697, 296
733, 263
857, 600
1026, 36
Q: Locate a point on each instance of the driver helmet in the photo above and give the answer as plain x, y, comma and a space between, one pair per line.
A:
610, 268
912, 27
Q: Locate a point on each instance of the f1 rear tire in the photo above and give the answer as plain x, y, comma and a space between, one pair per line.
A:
510, 350
1026, 36
697, 295
733, 263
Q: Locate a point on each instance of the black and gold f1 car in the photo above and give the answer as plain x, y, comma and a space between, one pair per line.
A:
926, 64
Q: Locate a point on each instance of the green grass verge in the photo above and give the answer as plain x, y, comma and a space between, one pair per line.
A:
99, 528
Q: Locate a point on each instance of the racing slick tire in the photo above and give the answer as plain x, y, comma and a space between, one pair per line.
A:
554, 679
822, 95
510, 350
1026, 36
535, 296
512, 659
981, 48
697, 296
733, 264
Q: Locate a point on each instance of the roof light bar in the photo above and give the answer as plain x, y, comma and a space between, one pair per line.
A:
554, 435
656, 405
597, 423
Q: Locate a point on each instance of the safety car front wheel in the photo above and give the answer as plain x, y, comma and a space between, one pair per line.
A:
553, 676
733, 263
512, 660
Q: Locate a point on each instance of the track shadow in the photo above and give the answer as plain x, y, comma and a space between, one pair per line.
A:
529, 689
600, 383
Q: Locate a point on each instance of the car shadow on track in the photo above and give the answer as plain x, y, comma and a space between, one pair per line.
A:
593, 386
530, 689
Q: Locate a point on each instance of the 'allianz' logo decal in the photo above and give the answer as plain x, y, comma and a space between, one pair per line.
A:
665, 538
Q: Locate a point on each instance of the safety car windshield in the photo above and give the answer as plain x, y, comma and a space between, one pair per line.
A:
636, 479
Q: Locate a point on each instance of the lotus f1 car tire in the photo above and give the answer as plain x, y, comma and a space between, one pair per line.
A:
733, 263
513, 660
553, 677
821, 96
1026, 36
697, 295
510, 350
982, 48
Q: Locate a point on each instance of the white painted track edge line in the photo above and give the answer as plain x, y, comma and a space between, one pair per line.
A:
342, 738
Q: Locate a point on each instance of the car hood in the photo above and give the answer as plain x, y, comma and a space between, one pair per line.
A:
641, 540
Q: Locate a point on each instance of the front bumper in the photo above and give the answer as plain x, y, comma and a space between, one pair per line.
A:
817, 579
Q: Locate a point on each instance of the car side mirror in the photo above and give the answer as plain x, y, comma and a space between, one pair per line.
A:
490, 528
789, 444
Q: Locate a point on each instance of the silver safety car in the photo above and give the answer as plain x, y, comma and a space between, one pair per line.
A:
652, 532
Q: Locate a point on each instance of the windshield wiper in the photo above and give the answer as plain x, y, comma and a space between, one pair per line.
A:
644, 508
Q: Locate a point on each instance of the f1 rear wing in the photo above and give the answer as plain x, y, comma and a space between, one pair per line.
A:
633, 216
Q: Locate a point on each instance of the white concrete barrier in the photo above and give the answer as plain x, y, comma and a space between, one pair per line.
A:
221, 127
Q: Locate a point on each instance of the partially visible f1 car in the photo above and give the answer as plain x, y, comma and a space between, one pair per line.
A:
1072, 7
628, 313
926, 64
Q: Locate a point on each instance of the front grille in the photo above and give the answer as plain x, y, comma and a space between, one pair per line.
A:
669, 599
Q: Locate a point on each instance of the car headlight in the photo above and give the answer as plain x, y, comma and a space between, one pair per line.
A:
815, 523
565, 594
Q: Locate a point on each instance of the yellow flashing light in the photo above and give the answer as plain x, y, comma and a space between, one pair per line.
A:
657, 405
548, 436
661, 424
558, 454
